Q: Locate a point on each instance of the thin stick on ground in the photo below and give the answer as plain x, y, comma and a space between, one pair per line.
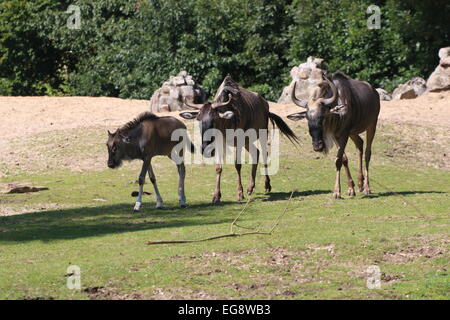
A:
232, 233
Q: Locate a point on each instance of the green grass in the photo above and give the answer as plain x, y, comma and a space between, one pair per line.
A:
321, 249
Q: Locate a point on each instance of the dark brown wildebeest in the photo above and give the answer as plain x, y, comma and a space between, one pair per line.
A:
143, 138
235, 108
337, 110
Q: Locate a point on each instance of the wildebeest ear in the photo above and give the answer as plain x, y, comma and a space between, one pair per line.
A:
189, 115
110, 134
297, 116
226, 115
339, 109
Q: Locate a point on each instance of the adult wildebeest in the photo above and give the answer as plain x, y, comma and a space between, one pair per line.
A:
236, 108
337, 110
143, 138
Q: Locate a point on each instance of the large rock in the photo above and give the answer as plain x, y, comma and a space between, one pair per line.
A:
411, 89
307, 75
439, 80
384, 95
170, 97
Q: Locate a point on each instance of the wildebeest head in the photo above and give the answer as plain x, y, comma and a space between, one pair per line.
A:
211, 115
317, 109
116, 148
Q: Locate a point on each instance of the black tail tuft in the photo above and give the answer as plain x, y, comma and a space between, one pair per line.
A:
192, 147
284, 128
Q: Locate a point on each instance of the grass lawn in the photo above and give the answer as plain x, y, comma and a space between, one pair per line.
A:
321, 249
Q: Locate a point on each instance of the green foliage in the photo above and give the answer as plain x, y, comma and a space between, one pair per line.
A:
128, 48
27, 59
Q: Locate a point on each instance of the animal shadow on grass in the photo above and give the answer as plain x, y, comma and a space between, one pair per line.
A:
274, 196
83, 222
399, 193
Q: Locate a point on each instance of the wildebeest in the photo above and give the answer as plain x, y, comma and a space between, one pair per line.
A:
236, 108
337, 110
143, 138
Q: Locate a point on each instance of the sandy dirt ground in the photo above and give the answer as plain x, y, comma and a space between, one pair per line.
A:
45, 133
25, 116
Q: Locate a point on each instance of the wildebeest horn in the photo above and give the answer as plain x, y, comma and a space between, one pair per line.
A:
300, 103
329, 101
222, 104
193, 106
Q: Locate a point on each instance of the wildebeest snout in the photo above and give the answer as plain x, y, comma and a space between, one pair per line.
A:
318, 146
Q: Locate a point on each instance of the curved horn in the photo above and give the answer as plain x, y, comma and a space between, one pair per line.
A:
193, 106
298, 102
329, 101
222, 104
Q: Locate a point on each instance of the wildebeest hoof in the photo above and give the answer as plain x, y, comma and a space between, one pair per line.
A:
159, 206
183, 205
268, 188
216, 200
250, 191
351, 192
337, 195
240, 196
367, 191
137, 207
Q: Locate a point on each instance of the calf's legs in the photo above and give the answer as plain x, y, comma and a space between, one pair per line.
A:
145, 165
151, 174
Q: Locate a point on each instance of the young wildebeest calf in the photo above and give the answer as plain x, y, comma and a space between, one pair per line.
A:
143, 138
337, 110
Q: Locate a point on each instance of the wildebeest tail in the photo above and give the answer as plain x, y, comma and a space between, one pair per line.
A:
192, 147
284, 128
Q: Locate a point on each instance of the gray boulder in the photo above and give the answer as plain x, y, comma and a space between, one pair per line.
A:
384, 95
411, 89
439, 80
172, 94
307, 75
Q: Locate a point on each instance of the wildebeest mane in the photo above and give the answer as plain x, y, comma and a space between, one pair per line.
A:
137, 121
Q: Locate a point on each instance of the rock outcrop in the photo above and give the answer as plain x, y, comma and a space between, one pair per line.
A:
411, 89
439, 80
384, 95
170, 97
307, 75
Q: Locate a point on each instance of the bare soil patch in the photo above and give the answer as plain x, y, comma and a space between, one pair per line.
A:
413, 253
55, 133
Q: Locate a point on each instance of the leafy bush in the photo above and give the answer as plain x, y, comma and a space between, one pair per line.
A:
129, 48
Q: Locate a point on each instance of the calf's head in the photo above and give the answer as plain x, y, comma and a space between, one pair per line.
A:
211, 115
317, 109
116, 148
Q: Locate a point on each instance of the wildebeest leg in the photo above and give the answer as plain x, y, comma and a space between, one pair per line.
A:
251, 186
370, 134
342, 142
144, 169
350, 183
181, 175
151, 174
267, 185
359, 143
238, 166
217, 194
